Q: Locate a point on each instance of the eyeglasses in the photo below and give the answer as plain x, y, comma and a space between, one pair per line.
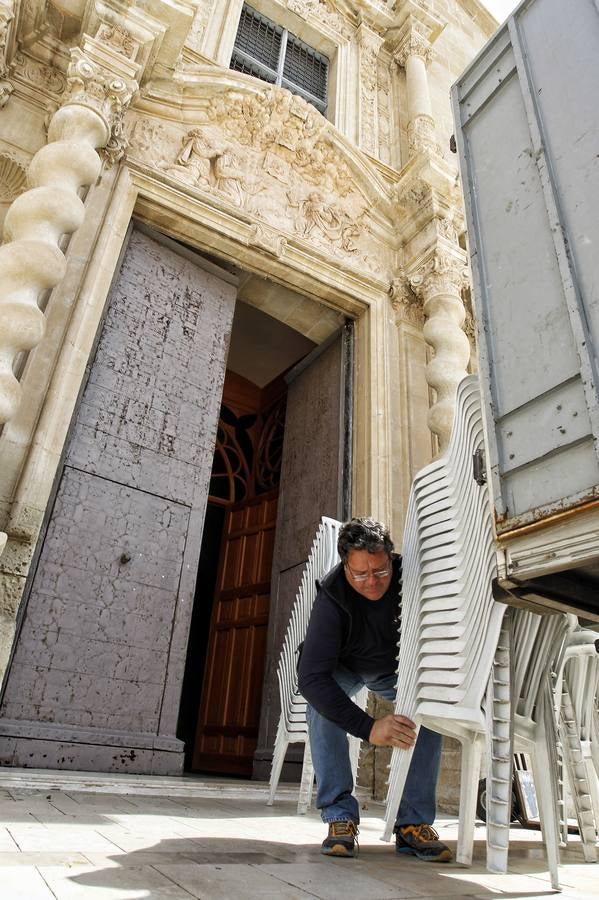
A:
379, 573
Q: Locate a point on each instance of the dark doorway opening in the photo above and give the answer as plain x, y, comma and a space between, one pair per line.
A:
222, 690
200, 626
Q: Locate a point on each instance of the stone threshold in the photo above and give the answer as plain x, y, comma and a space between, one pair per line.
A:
203, 786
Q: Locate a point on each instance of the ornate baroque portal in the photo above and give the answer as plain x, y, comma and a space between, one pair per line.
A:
110, 112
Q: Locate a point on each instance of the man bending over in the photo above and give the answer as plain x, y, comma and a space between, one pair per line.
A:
352, 641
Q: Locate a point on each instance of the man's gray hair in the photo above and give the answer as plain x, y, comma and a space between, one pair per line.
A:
364, 534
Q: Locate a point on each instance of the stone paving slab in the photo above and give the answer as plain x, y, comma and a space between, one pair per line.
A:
70, 844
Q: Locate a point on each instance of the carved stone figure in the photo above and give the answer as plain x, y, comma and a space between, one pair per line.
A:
193, 164
324, 217
229, 175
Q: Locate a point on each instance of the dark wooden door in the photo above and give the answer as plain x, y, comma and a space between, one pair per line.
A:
230, 708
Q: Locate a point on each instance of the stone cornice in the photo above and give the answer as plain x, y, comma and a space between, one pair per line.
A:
411, 15
153, 33
214, 229
480, 14
375, 13
427, 189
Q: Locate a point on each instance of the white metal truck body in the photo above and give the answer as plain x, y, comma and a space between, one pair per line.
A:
527, 130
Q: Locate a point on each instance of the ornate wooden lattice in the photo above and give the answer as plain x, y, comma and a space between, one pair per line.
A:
248, 453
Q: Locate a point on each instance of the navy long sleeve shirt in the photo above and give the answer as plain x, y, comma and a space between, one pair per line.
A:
348, 630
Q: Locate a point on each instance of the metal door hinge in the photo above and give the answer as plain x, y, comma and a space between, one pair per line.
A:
479, 472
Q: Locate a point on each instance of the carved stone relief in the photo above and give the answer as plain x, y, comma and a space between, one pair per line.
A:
13, 178
384, 111
469, 325
369, 44
415, 42
324, 13
270, 155
195, 37
118, 38
407, 305
39, 75
412, 197
6, 17
443, 273
421, 136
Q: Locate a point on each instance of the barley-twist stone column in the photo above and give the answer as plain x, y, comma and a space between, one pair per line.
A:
439, 283
31, 259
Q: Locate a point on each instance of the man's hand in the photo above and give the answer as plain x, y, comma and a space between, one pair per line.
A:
393, 731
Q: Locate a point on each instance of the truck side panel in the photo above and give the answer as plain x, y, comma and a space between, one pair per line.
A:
528, 134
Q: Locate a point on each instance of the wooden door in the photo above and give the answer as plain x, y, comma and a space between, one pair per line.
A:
227, 729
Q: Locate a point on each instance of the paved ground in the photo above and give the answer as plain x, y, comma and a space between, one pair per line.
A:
70, 836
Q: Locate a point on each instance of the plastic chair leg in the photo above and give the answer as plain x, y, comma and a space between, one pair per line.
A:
543, 767
398, 774
594, 788
471, 759
577, 776
500, 750
354, 755
278, 758
307, 783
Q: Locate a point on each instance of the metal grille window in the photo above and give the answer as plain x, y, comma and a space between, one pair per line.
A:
269, 52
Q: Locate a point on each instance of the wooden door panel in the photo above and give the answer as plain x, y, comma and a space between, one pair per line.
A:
230, 709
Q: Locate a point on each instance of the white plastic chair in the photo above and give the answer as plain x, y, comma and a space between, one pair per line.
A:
292, 727
579, 733
539, 643
450, 621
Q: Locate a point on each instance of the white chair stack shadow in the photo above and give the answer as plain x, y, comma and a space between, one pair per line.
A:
579, 733
450, 621
292, 727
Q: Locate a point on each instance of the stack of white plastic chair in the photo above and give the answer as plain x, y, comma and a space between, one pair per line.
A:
293, 727
579, 732
450, 621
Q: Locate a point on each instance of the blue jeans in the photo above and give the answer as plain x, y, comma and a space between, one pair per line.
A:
330, 756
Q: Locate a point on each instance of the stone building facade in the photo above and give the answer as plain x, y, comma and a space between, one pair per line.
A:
175, 228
